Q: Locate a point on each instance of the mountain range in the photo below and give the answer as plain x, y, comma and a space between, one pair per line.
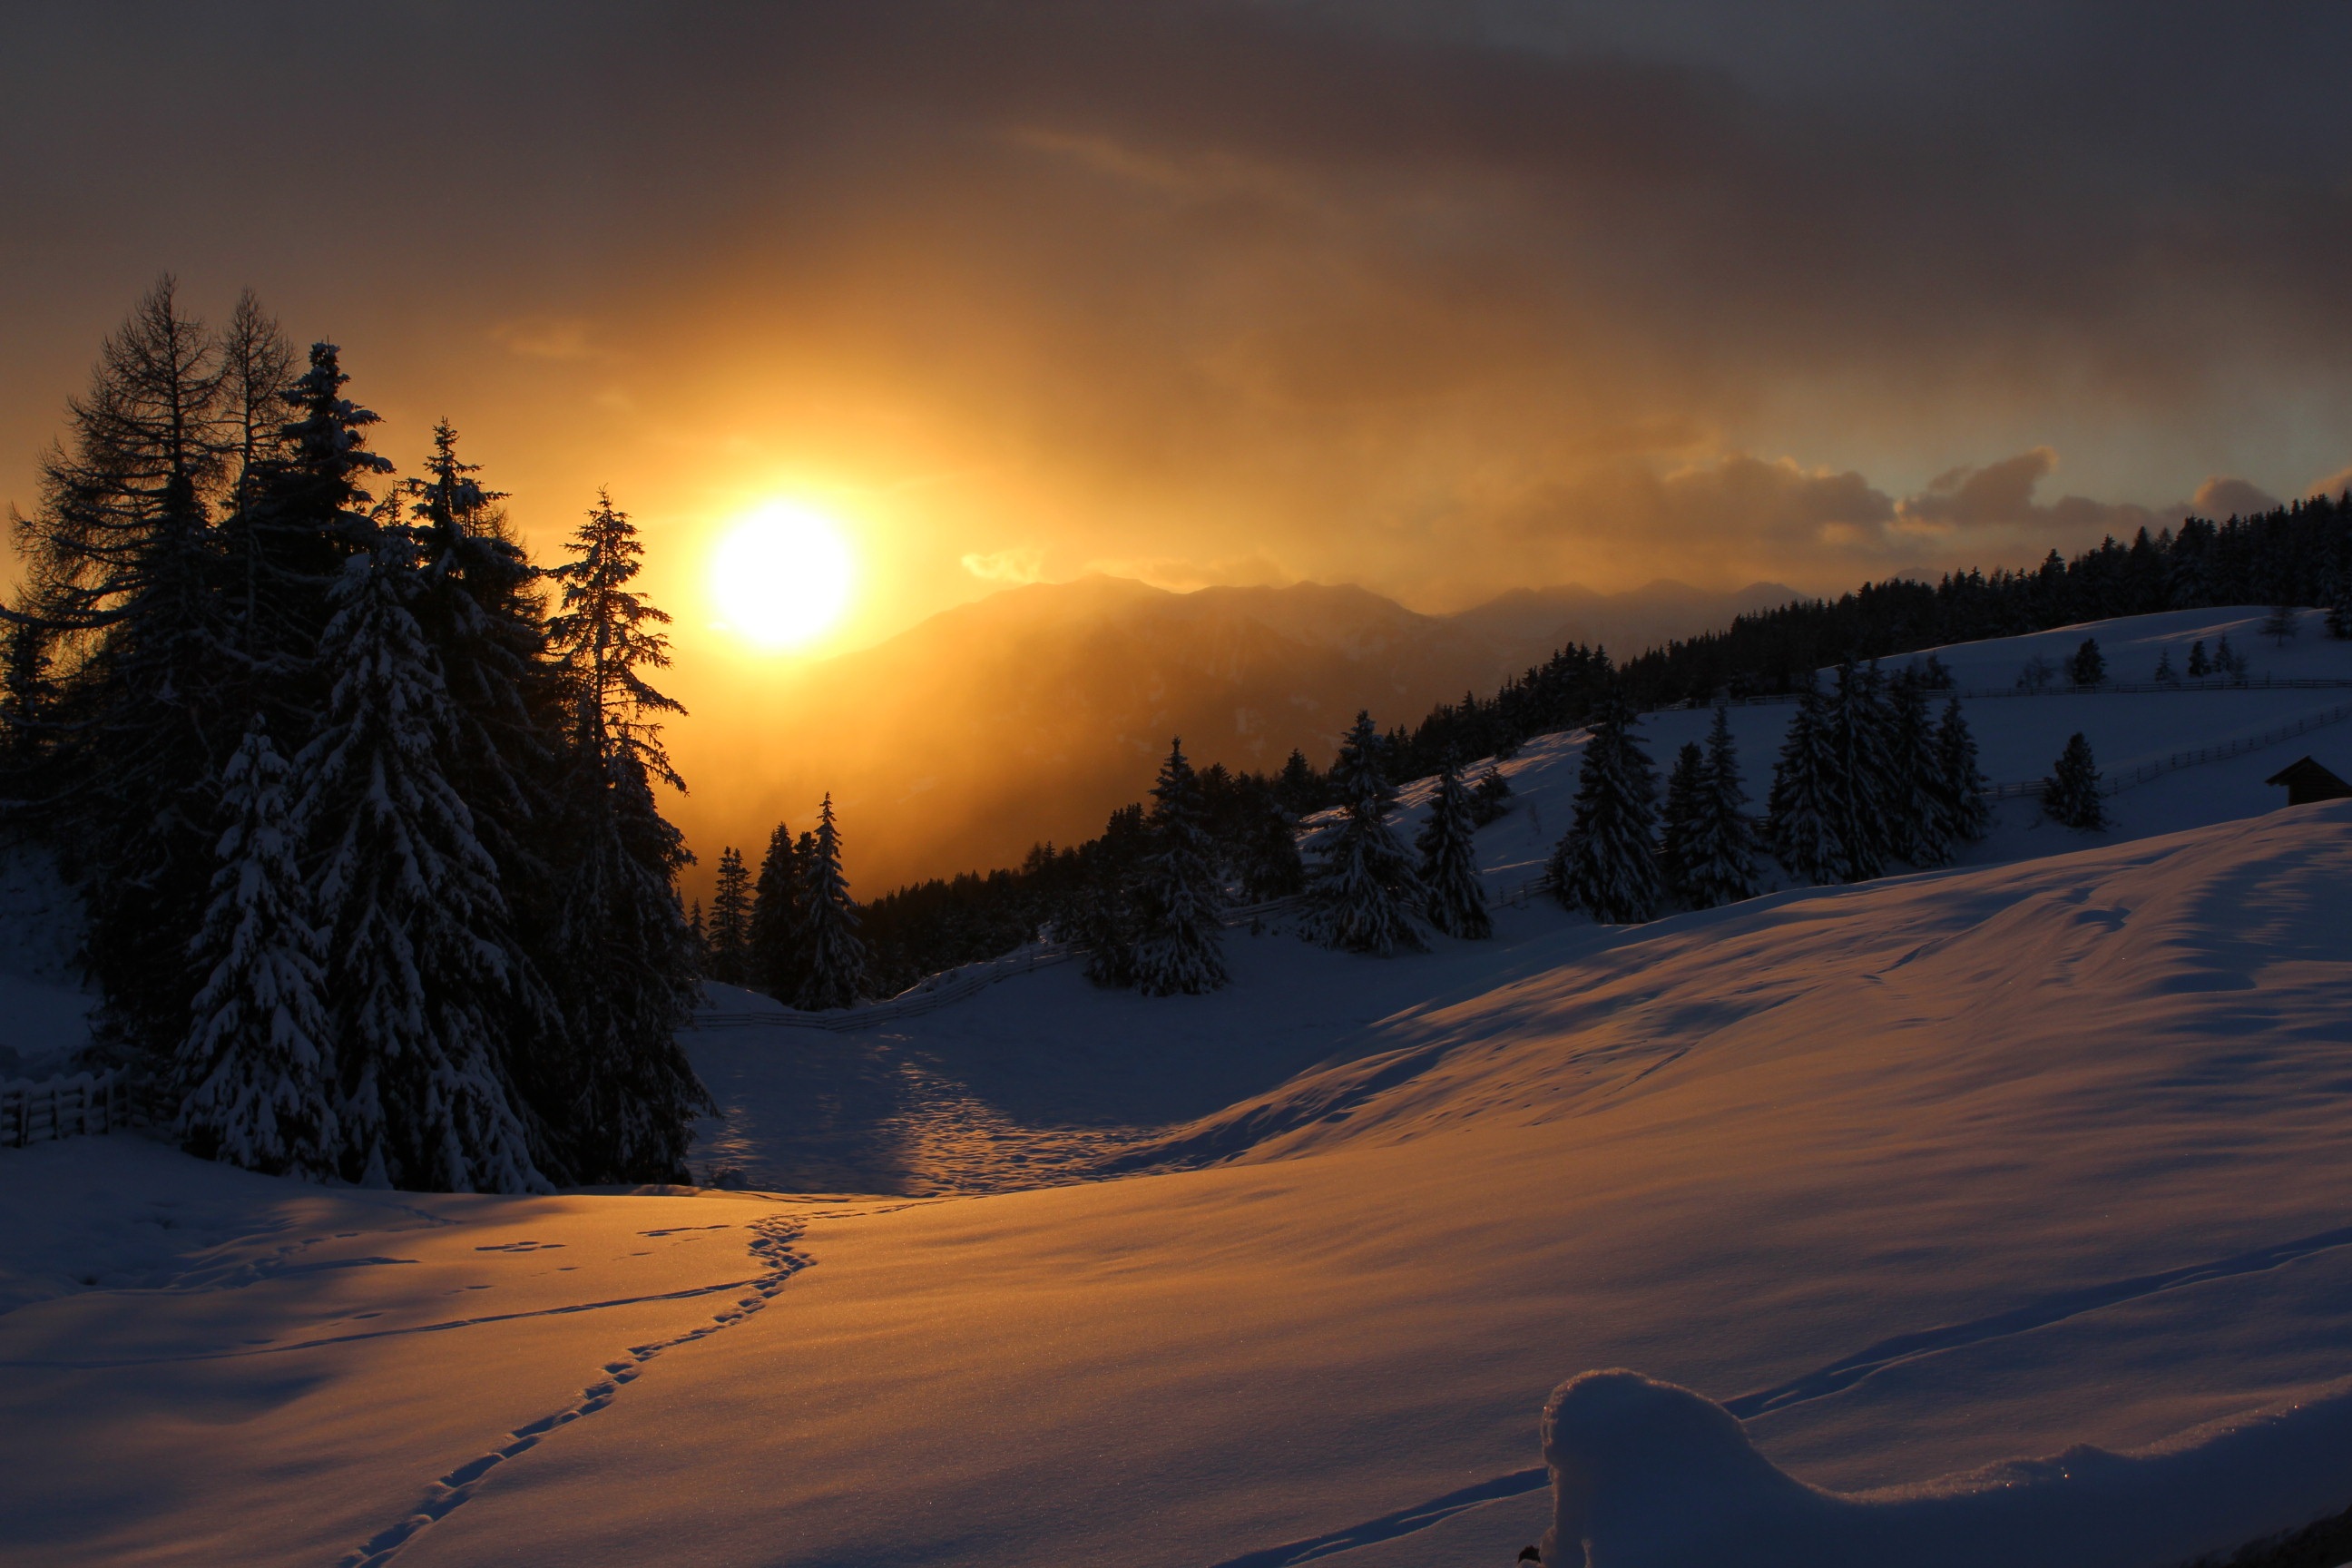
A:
1030, 714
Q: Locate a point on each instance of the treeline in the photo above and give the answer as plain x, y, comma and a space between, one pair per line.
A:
2299, 554
361, 801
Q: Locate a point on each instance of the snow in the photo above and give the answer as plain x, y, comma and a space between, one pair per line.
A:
1917, 1178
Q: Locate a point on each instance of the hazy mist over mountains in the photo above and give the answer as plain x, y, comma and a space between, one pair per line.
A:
1031, 715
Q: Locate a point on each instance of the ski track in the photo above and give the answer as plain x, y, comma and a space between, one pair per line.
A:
771, 1245
1820, 1383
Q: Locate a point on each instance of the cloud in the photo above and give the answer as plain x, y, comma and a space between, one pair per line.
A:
1021, 563
1183, 576
2336, 484
564, 339
2219, 497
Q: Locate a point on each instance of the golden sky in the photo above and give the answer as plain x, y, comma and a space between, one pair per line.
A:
1438, 299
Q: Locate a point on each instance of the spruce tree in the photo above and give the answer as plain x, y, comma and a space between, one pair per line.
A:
2165, 673
777, 918
1914, 826
837, 956
2087, 666
2198, 667
1100, 916
729, 928
1490, 798
1962, 813
1179, 945
1264, 852
1861, 778
1684, 786
1362, 894
1719, 853
1606, 864
2281, 626
1453, 898
1804, 805
410, 903
2339, 608
254, 1078
2070, 795
625, 964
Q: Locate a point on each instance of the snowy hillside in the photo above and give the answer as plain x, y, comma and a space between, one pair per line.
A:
1917, 1176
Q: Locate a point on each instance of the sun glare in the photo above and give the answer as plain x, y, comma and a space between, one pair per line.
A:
781, 575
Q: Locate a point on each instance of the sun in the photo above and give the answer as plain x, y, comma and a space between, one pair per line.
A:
781, 575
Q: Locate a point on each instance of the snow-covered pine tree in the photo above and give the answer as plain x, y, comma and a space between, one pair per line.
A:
2071, 793
777, 919
1453, 900
2087, 666
1915, 828
1960, 806
409, 900
1861, 782
1803, 806
835, 954
1099, 916
1607, 862
1180, 941
1677, 824
255, 1076
1362, 894
1302, 789
1490, 796
729, 928
1720, 856
1264, 850
625, 965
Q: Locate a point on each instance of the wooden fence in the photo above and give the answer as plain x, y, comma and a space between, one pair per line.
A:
2116, 783
33, 1111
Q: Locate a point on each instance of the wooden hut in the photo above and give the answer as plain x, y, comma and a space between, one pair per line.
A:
2306, 780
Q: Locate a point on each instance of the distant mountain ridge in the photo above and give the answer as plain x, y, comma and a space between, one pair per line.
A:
1030, 714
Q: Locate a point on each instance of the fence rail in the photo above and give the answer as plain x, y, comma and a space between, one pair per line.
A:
2104, 688
2116, 783
37, 1110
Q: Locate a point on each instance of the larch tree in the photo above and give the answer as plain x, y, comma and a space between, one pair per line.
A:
835, 975
1718, 859
627, 968
1363, 893
1179, 939
1453, 898
256, 1075
1607, 864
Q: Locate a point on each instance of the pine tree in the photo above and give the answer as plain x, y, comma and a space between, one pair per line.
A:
410, 903
701, 935
730, 930
1453, 898
1100, 916
1913, 827
1362, 894
777, 918
2229, 661
2165, 673
1180, 941
1962, 815
255, 1076
2339, 608
624, 963
2071, 793
2198, 667
836, 957
1490, 798
1606, 864
1861, 782
1803, 806
2281, 625
1684, 786
1264, 852
2087, 666
1300, 788
1719, 853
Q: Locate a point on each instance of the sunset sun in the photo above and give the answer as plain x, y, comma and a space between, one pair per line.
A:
781, 575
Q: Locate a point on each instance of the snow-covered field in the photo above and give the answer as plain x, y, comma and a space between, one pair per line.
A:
1917, 1177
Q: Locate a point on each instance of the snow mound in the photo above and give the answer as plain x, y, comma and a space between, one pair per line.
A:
1648, 1475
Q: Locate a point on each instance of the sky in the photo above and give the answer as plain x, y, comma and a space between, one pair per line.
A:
1441, 299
